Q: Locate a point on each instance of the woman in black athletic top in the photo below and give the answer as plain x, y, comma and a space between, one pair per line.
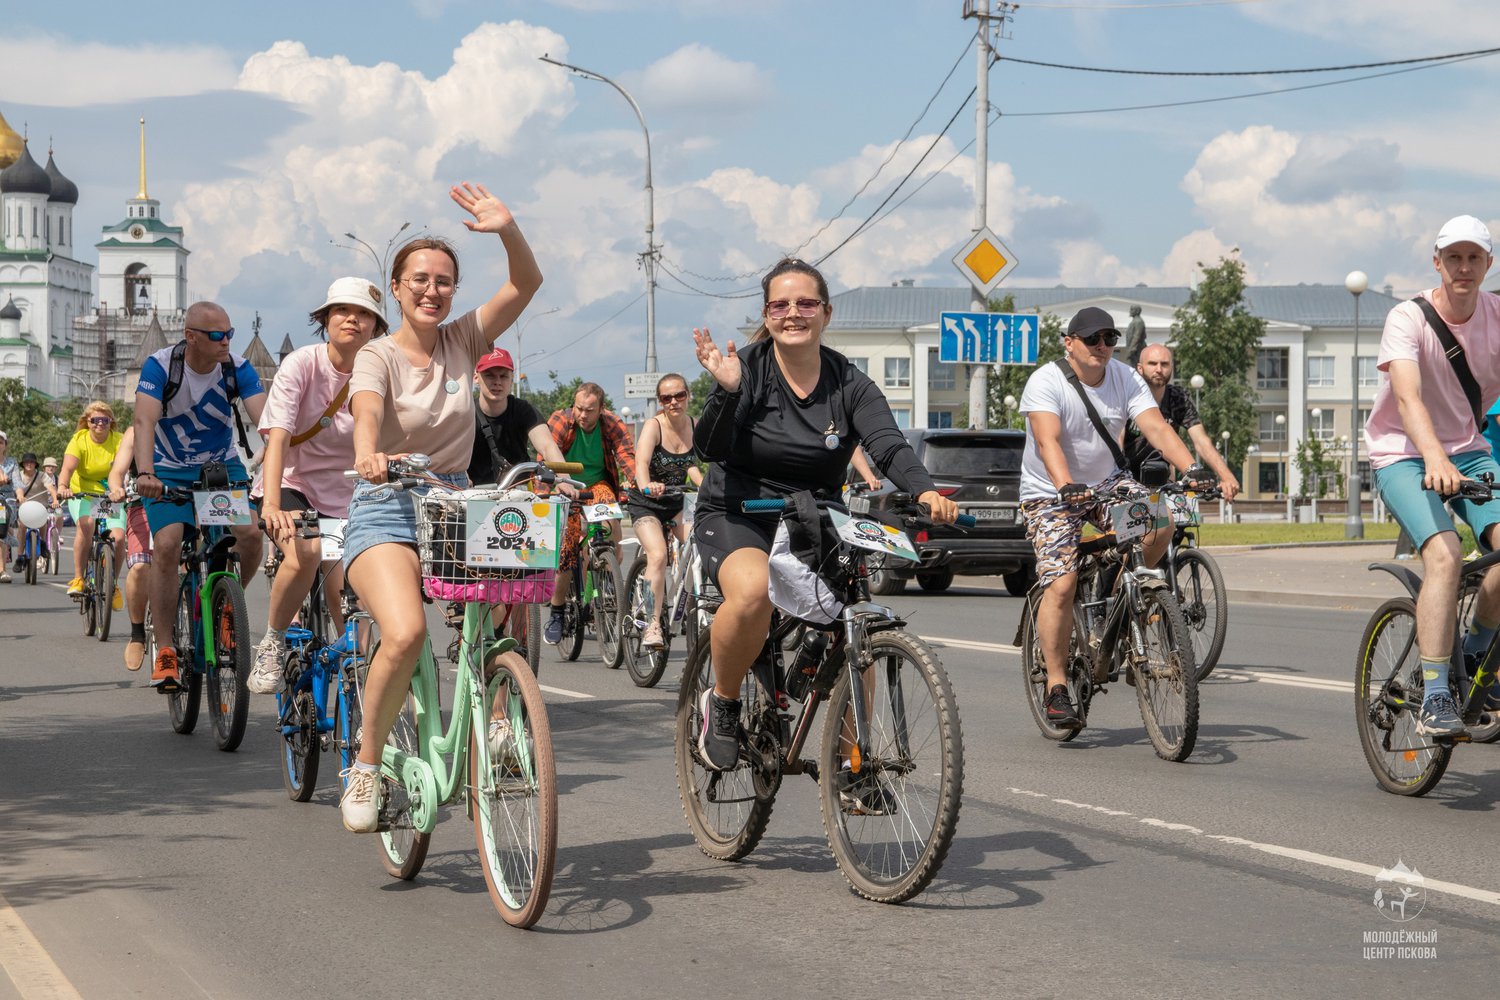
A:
785, 416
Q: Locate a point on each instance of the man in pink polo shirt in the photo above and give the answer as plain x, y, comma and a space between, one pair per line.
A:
1424, 440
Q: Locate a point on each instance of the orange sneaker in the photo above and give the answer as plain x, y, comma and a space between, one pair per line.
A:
164, 674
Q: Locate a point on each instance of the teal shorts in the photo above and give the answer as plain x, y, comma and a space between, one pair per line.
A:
1420, 511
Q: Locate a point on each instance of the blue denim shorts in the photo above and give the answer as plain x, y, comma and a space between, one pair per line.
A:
1420, 512
379, 514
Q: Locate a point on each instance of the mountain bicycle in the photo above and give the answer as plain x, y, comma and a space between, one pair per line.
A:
891, 763
594, 597
1125, 621
211, 630
683, 610
96, 599
1388, 687
1196, 581
318, 706
478, 547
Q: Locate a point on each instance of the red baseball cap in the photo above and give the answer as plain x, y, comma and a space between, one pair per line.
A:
498, 358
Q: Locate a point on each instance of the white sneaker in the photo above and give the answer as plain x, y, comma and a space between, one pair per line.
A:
502, 745
651, 637
265, 675
360, 805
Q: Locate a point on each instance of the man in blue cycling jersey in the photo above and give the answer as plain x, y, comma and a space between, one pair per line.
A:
173, 441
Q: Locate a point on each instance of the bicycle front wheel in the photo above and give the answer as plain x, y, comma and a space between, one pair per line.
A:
228, 697
88, 605
33, 555
890, 814
1205, 606
104, 589
572, 638
1387, 697
403, 848
514, 791
726, 816
645, 666
608, 589
1166, 683
183, 701
301, 744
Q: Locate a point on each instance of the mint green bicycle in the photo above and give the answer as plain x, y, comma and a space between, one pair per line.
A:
498, 738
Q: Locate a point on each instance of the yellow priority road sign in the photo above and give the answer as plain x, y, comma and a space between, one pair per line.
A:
984, 261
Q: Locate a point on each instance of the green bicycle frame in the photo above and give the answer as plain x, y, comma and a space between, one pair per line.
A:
427, 775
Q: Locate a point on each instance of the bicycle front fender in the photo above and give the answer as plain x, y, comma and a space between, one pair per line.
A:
1410, 580
205, 614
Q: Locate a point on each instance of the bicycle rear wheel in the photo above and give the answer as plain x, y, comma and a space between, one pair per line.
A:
1166, 683
890, 816
1387, 697
645, 666
1034, 676
514, 797
725, 815
228, 697
104, 589
183, 700
301, 744
608, 589
1205, 606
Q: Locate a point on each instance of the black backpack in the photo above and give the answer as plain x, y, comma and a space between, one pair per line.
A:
231, 388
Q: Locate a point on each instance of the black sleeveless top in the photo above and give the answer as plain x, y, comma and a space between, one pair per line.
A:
670, 468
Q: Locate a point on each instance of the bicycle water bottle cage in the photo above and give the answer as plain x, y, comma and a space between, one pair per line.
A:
215, 476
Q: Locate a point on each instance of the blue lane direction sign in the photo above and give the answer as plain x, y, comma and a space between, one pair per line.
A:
988, 338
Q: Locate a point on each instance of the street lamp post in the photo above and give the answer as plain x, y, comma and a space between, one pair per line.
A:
92, 384
1354, 525
380, 260
1010, 408
1197, 383
522, 328
648, 259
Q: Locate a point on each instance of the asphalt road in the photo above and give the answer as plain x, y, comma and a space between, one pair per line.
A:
142, 863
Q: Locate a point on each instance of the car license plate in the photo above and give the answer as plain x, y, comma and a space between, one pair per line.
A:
1007, 514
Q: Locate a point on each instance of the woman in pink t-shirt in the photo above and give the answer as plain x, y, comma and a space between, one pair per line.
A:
309, 436
412, 392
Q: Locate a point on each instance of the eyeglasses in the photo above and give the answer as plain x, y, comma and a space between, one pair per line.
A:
780, 308
1110, 338
672, 397
101, 421
445, 287
217, 336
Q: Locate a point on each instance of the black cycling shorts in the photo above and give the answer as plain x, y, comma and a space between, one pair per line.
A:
718, 533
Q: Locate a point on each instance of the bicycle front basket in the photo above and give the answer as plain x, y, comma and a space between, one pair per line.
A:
489, 546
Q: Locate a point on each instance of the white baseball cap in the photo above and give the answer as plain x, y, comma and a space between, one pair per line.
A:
1464, 229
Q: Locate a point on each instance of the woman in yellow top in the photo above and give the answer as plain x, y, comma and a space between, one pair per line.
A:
85, 469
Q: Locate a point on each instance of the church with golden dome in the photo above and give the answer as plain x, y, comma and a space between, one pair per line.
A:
43, 284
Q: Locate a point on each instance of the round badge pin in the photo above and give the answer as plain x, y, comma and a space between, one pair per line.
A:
452, 386
325, 422
831, 442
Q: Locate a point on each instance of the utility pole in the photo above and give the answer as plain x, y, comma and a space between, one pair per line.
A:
983, 12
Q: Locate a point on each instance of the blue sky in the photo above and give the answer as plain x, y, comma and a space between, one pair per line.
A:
275, 127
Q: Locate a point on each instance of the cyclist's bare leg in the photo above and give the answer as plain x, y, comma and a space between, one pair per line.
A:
300, 560
165, 546
1154, 545
118, 537
742, 621
333, 586
1054, 620
387, 576
654, 544
1442, 558
137, 591
1487, 603
83, 547
248, 545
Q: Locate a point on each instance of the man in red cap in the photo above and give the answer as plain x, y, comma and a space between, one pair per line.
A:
506, 425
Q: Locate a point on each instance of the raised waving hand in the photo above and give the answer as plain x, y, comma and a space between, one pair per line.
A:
723, 366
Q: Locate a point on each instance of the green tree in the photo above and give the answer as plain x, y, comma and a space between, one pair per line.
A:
699, 388
35, 423
558, 396
1215, 336
1320, 473
1010, 380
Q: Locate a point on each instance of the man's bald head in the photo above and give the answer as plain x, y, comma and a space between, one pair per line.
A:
1156, 366
206, 316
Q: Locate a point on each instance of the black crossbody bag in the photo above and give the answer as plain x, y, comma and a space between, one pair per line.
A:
1456, 357
1088, 405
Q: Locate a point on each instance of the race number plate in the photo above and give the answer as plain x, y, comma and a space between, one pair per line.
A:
1134, 518
689, 501
865, 533
1184, 508
518, 533
332, 531
222, 508
596, 512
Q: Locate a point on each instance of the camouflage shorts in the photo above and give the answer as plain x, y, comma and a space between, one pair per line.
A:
1055, 527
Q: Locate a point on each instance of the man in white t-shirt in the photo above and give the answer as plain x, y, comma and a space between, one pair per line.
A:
1424, 441
1068, 463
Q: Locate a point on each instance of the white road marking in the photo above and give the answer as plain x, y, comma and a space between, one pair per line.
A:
982, 647
26, 962
564, 692
1276, 850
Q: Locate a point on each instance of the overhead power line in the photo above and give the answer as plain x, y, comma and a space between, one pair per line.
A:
1137, 6
1452, 56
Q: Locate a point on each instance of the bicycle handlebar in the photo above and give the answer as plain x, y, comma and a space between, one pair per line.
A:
920, 511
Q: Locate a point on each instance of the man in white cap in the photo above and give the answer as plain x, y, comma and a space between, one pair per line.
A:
1424, 440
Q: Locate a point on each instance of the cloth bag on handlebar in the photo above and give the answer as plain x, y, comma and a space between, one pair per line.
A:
798, 551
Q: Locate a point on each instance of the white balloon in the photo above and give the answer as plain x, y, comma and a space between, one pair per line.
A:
33, 513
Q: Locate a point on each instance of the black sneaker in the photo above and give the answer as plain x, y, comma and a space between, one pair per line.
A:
1492, 698
1439, 716
719, 742
1059, 708
552, 634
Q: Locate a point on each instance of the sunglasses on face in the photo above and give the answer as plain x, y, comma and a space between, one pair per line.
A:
217, 336
1110, 338
779, 308
672, 397
101, 421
